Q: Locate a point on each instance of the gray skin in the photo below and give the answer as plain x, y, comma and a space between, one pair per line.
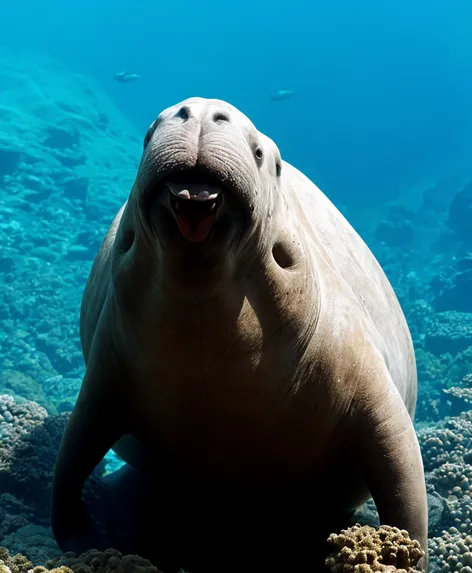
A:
270, 363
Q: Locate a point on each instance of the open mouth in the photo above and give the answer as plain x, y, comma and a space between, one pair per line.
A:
195, 207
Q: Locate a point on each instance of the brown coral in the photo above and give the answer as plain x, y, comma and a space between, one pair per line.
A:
459, 393
16, 564
109, 561
364, 549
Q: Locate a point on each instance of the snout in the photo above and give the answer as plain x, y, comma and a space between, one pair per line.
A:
208, 135
198, 162
198, 173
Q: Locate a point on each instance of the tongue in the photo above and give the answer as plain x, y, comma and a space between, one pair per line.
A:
195, 228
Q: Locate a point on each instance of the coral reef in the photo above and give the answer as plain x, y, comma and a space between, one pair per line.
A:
360, 549
67, 161
28, 448
451, 331
27, 457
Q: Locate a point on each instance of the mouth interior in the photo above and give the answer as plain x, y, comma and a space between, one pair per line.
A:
195, 205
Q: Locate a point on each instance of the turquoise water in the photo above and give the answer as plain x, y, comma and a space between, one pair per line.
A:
377, 114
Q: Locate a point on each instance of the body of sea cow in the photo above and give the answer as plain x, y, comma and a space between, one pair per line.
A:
246, 355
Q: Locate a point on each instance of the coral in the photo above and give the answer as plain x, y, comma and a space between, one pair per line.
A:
28, 448
452, 552
365, 549
29, 444
108, 561
447, 457
35, 542
419, 315
16, 564
448, 442
21, 564
460, 397
24, 386
450, 331
452, 479
431, 372
458, 369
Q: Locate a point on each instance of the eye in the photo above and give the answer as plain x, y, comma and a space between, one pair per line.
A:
278, 169
258, 153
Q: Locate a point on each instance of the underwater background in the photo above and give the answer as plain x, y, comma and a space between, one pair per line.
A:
371, 99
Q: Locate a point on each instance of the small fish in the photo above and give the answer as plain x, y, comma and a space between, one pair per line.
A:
126, 77
279, 95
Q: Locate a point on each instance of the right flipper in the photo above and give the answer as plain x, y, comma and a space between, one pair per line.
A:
96, 423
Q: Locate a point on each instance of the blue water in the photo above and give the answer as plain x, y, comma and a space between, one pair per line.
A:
383, 88
380, 119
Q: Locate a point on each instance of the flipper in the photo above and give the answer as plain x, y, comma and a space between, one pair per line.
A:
391, 460
96, 423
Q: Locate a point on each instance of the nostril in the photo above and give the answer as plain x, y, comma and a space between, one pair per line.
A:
219, 116
183, 113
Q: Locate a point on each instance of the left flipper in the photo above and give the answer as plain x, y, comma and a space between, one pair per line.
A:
390, 457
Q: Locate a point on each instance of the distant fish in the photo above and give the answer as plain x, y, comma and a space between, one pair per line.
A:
279, 95
126, 77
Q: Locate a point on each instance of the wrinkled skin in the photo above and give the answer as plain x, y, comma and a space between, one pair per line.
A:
265, 374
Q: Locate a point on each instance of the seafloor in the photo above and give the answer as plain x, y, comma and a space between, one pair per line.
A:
67, 161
